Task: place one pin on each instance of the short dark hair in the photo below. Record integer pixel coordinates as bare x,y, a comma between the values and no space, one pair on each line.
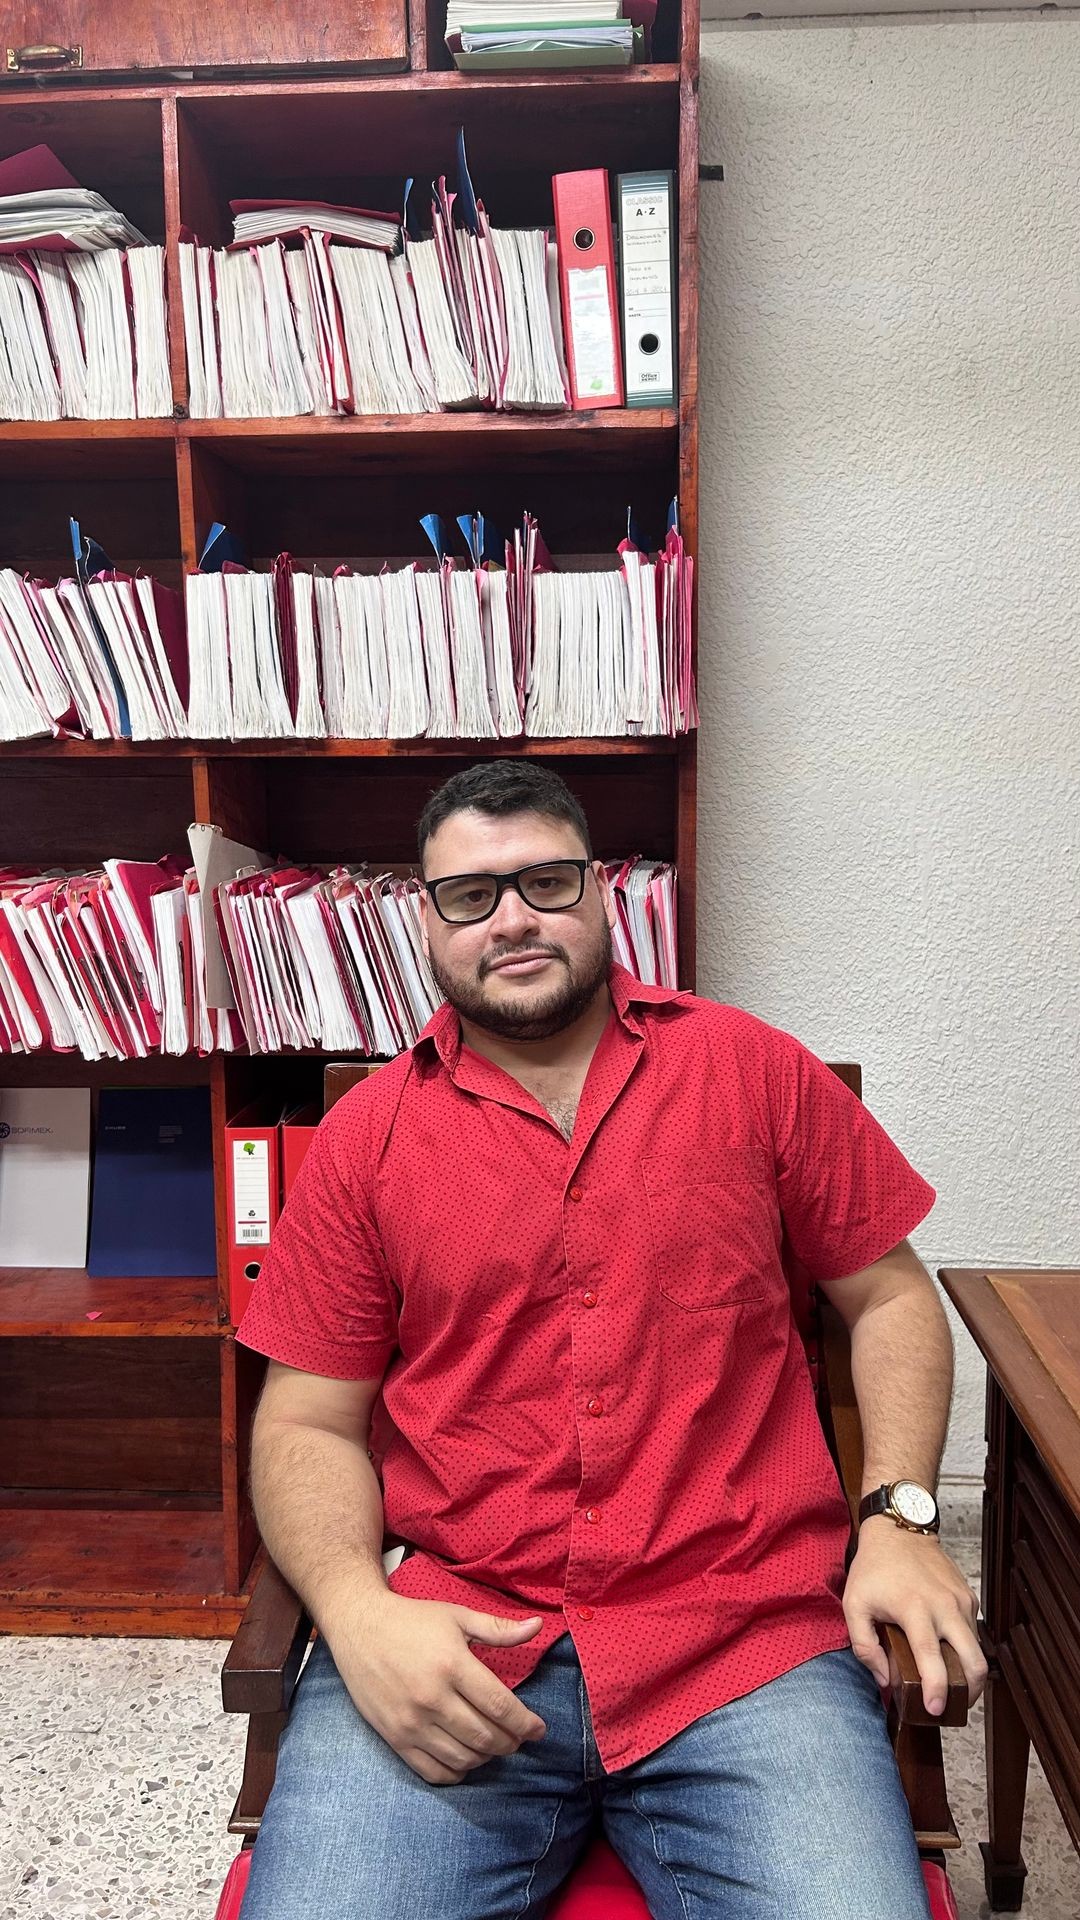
499,787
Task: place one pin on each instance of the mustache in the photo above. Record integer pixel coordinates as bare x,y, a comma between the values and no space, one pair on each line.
508,953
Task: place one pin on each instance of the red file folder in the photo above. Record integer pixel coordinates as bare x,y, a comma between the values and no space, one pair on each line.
589,292
253,1185
297,1134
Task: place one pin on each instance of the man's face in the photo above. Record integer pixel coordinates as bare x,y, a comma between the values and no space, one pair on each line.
523,974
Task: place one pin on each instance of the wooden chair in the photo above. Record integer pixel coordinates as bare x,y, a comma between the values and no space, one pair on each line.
263,1663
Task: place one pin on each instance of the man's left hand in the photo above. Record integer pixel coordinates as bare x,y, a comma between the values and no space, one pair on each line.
907,1580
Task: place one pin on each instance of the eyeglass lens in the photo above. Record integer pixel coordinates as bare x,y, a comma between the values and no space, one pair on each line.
470,896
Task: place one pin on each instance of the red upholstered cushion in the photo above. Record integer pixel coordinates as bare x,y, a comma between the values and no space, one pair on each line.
599,1889
232,1893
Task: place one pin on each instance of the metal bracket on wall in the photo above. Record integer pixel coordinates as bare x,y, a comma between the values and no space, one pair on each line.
710,173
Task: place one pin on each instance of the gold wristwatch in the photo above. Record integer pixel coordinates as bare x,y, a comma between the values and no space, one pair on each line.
911,1506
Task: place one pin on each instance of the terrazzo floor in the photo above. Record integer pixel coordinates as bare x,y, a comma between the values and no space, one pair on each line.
118,1771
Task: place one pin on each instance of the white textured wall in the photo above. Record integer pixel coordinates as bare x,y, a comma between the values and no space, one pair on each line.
890,533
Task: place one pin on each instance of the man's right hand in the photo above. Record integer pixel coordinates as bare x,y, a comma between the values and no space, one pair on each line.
408,1669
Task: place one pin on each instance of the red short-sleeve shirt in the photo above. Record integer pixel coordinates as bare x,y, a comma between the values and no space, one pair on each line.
596,1405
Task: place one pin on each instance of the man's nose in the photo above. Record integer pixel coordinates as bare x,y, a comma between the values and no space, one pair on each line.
513,919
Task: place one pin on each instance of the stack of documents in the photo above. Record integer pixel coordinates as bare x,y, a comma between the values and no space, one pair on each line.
327,328
486,35
82,957
137,958
83,336
644,938
493,648
606,653
104,659
255,220
83,332
42,205
462,652
344,320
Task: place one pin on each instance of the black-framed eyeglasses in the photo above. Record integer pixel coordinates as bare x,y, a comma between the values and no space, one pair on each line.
551,886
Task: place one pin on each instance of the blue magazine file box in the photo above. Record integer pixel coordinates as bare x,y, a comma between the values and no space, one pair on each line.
152,1211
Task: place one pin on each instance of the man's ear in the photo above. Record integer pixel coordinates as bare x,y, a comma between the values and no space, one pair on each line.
605,892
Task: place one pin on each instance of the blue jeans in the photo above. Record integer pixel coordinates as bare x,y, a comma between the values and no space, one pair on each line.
786,1803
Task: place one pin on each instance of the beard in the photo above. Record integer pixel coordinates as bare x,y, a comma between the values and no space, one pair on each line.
531,1016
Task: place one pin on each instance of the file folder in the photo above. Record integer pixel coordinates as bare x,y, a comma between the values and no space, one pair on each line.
153,1206
253,1192
587,281
297,1134
44,1176
648,283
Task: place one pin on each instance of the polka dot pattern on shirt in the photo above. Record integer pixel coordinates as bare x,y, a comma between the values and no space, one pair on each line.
596,1405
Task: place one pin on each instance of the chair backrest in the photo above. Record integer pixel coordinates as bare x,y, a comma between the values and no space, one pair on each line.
805,1300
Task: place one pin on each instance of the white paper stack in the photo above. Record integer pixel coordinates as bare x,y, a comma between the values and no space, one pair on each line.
75,215
255,220
645,937
606,653
104,662
459,319
83,336
78,961
406,653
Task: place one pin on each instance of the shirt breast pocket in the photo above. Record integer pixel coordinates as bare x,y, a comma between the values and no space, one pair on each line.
715,1232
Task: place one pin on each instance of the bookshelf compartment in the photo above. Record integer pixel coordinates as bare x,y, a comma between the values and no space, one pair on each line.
665,44
128,503
357,518
356,810
355,145
130,1416
111,144
98,810
155,1567
614,440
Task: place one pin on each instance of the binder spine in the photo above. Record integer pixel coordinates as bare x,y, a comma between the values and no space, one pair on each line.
647,286
253,1186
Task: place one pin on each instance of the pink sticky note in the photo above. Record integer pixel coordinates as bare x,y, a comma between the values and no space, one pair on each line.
95,1316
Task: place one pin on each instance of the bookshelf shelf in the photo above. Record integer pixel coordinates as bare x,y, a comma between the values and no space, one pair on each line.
106,1569
627,438
125,1456
55,1303
136,751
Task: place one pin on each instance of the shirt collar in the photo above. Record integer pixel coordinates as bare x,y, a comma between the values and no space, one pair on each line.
442,1035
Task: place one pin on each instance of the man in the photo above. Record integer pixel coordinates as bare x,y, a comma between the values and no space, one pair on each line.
556,1233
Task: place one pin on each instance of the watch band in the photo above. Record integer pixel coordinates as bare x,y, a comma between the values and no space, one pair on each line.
880,1501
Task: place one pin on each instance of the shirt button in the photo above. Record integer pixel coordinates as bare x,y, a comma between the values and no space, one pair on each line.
585,1613
575,1193
594,1406
589,1299
592,1513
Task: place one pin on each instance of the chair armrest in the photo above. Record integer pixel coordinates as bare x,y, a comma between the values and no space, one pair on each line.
261,1666
846,1436
907,1696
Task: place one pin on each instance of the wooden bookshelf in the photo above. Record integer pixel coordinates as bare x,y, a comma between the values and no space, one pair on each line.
123,1436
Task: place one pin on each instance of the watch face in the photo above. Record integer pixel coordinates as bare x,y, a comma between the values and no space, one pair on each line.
914,1504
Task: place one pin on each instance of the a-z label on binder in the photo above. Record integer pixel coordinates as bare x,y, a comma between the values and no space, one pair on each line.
251,1193
647,281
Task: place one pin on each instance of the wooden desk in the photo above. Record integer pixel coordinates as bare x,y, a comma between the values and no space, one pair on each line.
1027,1325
